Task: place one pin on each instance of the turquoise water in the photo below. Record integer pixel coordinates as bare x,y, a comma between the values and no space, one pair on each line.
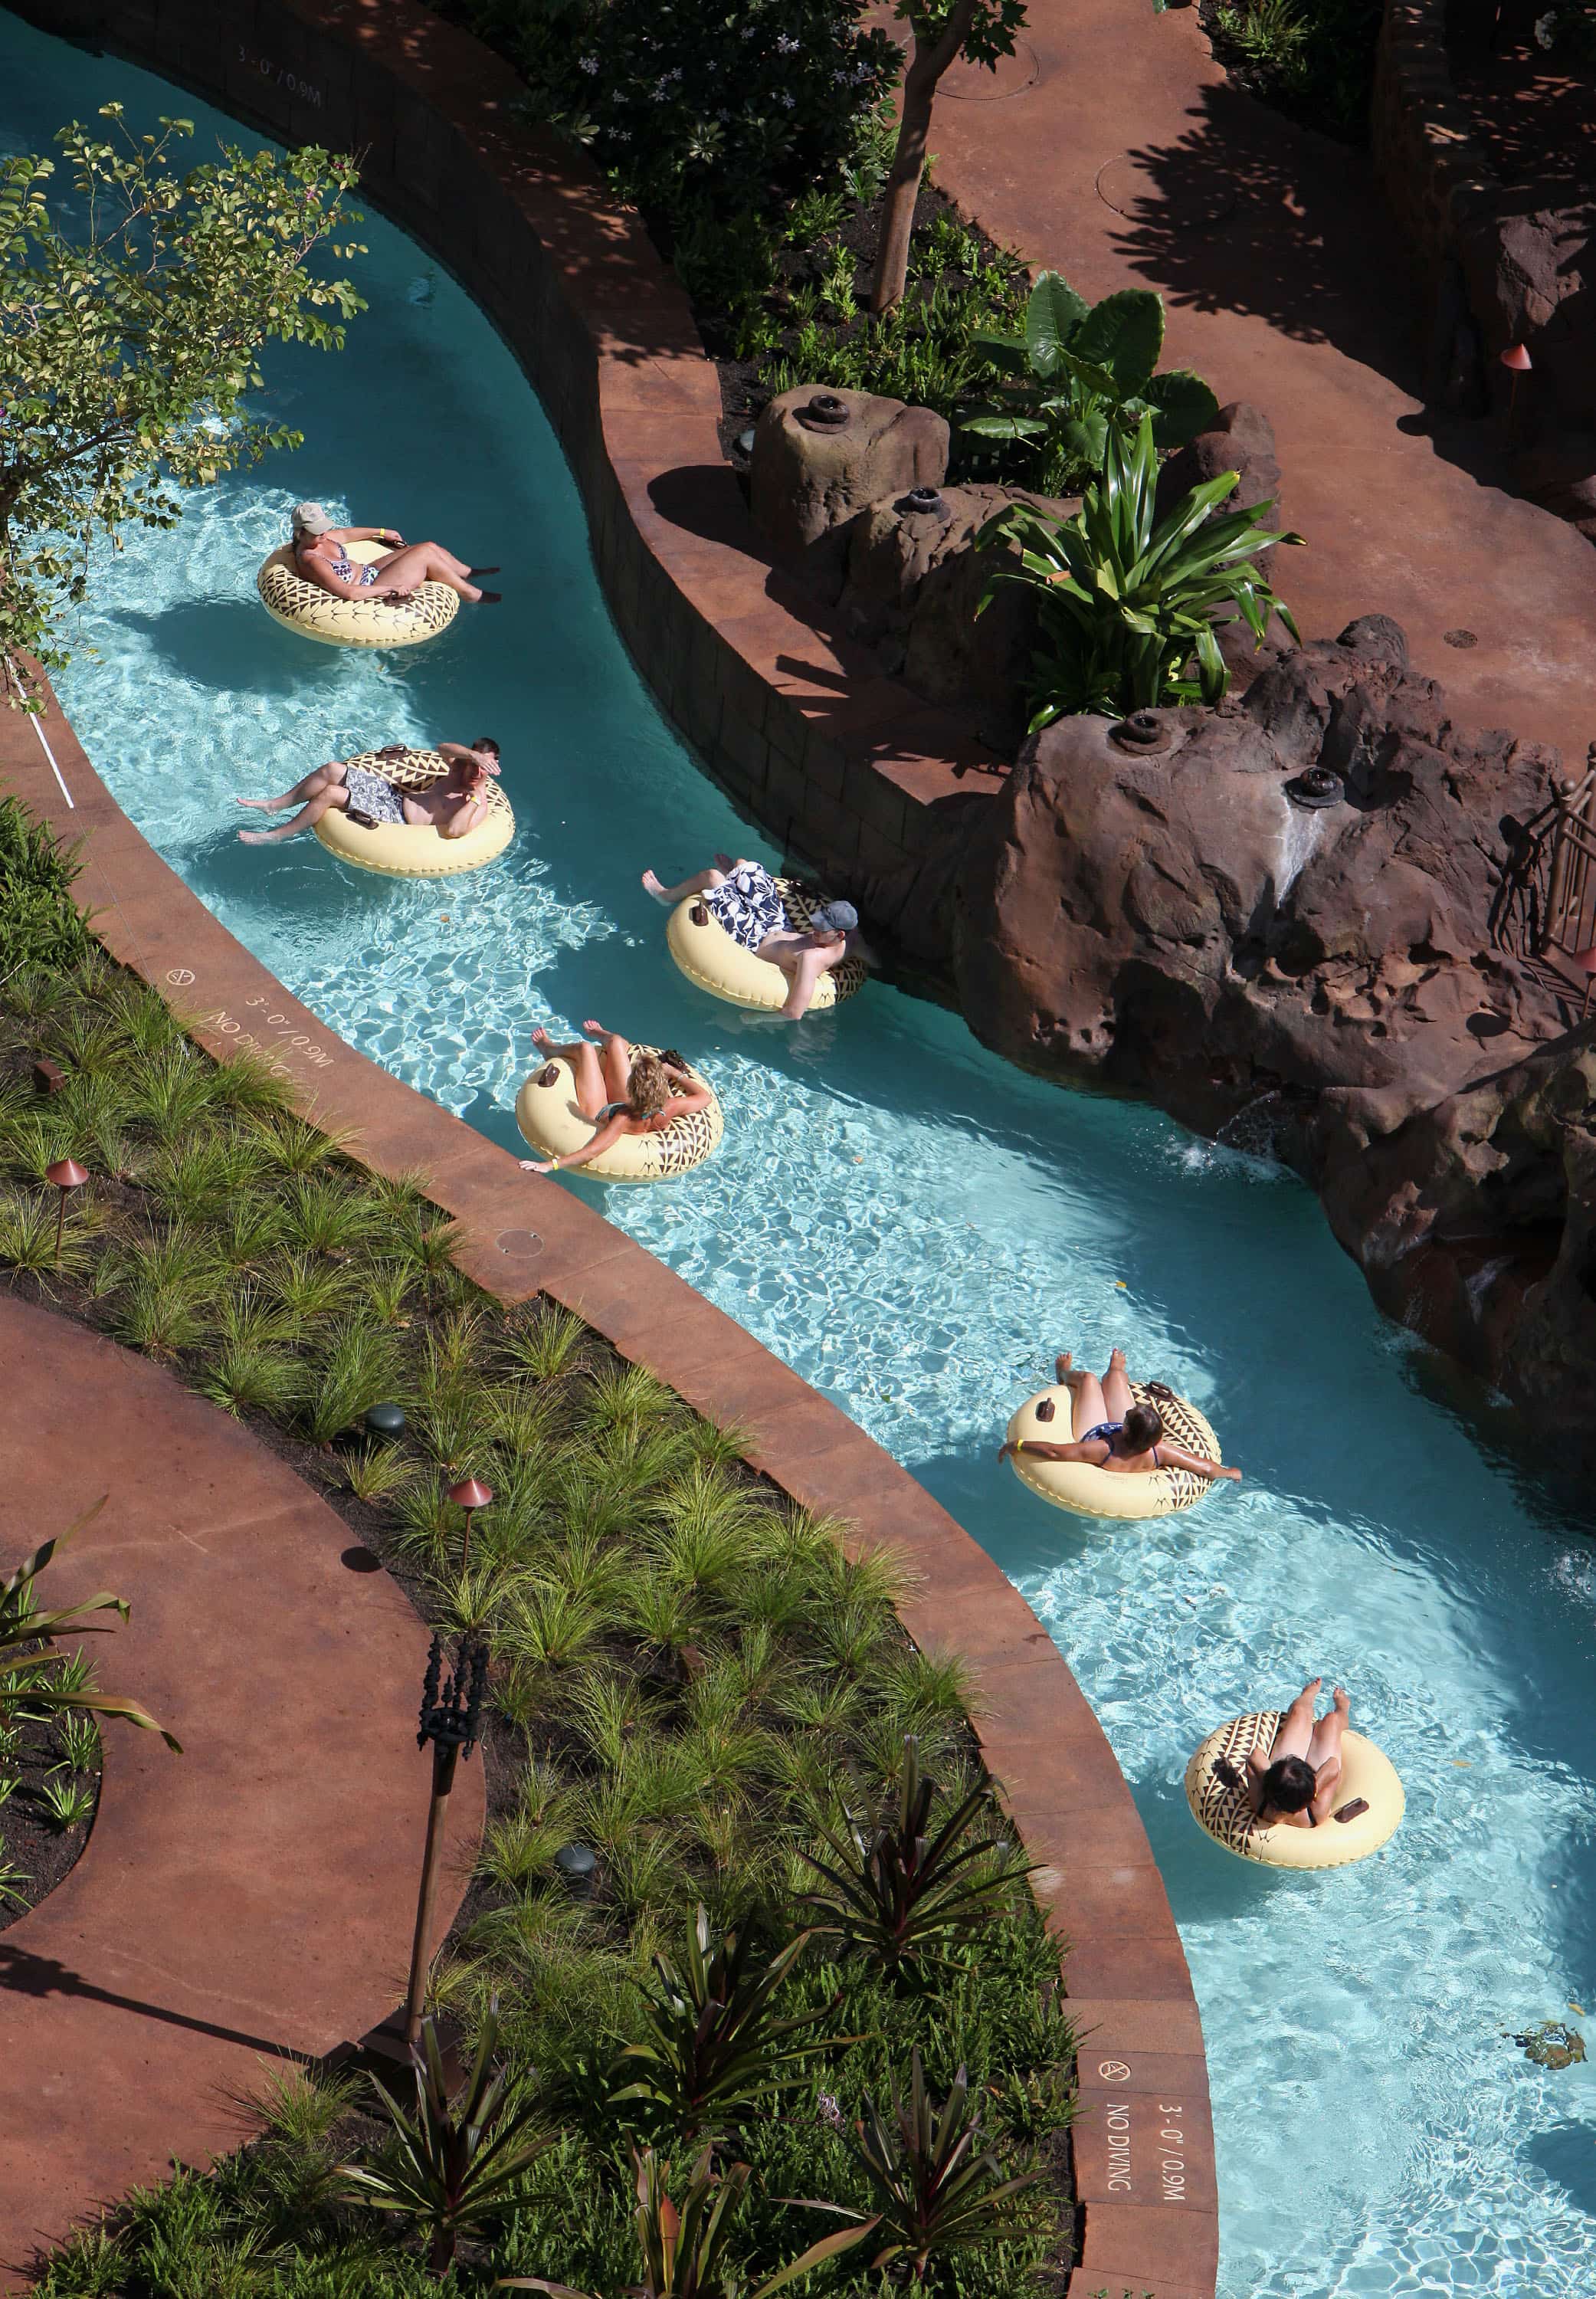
916,1228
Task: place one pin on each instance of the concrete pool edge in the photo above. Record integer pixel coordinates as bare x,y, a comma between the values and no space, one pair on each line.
1145,2175
1143,2169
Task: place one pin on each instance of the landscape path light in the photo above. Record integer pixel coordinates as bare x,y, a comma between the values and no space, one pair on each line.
1518,362
470,1494
67,1174
450,1713
385,1421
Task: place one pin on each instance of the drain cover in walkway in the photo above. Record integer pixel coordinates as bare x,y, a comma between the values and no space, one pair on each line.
519,1244
1142,195
974,84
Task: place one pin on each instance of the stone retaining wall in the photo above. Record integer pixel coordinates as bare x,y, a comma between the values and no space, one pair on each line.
1433,173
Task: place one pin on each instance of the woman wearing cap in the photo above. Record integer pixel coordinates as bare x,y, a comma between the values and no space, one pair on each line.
746,901
320,556
453,806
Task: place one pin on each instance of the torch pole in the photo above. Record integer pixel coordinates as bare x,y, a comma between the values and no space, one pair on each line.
444,1759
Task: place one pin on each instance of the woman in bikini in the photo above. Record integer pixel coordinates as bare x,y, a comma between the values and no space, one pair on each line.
319,555
1110,1430
746,900
453,805
619,1090
1294,1785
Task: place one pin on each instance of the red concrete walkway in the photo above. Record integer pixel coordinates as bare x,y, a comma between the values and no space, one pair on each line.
253,1896
1120,157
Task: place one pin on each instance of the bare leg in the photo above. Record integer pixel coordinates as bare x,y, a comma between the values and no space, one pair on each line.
1295,1736
702,881
424,562
1116,1387
1326,1741
326,802
1087,1407
587,1073
311,785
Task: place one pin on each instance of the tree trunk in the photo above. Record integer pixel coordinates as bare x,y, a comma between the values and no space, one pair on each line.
926,65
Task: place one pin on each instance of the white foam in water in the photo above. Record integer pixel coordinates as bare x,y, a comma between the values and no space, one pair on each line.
916,1228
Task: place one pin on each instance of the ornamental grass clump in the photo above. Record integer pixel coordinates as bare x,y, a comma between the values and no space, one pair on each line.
741,1860
1128,604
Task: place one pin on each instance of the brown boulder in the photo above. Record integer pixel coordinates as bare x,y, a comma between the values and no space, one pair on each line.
1240,438
809,474
1530,270
1169,918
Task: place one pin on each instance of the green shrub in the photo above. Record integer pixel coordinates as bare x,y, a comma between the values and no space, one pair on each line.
39,925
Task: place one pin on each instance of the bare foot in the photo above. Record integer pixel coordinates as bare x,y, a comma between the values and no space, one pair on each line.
651,885
258,837
540,1036
265,804
1344,1706
1116,1360
596,1030
1309,1691
1065,1361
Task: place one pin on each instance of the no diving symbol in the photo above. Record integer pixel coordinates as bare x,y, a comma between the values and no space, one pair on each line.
180,976
1113,2071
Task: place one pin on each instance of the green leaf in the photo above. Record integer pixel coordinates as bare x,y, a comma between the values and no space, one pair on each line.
1124,333
1051,316
1182,405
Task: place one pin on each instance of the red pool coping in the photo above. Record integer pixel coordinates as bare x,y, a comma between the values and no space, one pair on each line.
254,1896
606,336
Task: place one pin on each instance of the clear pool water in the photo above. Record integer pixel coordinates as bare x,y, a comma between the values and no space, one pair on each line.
916,1228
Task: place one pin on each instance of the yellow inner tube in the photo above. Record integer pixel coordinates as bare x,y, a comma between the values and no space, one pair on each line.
1092,1492
1226,1814
358,620
413,850
708,955
549,1117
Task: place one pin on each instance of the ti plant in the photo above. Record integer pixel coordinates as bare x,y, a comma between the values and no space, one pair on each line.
937,2189
1081,373
451,2164
1126,601
713,2048
29,1677
902,1893
683,2248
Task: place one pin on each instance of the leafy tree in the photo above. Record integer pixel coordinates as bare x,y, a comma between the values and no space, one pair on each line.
983,31
130,325
1126,600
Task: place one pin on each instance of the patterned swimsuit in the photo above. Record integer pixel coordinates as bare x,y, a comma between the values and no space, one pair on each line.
345,568
372,796
748,905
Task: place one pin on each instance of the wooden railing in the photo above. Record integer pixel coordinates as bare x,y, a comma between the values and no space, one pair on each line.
1545,906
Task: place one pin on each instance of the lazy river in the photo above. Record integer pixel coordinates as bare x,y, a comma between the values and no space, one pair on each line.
916,1228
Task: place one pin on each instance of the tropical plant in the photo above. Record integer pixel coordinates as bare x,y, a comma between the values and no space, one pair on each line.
453,2164
80,1743
1079,370
943,30
683,2246
130,326
40,924
1125,600
902,1892
713,2048
934,2192
67,1803
12,1883
29,1675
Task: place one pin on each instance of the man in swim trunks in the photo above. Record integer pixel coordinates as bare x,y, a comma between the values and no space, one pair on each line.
1110,1430
744,898
1294,1785
456,803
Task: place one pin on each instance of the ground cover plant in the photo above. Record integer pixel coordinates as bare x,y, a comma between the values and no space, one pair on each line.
688,1676
1314,60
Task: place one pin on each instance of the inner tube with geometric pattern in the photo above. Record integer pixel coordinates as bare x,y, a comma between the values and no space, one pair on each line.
358,620
1091,1491
708,955
410,850
551,1121
1226,1814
